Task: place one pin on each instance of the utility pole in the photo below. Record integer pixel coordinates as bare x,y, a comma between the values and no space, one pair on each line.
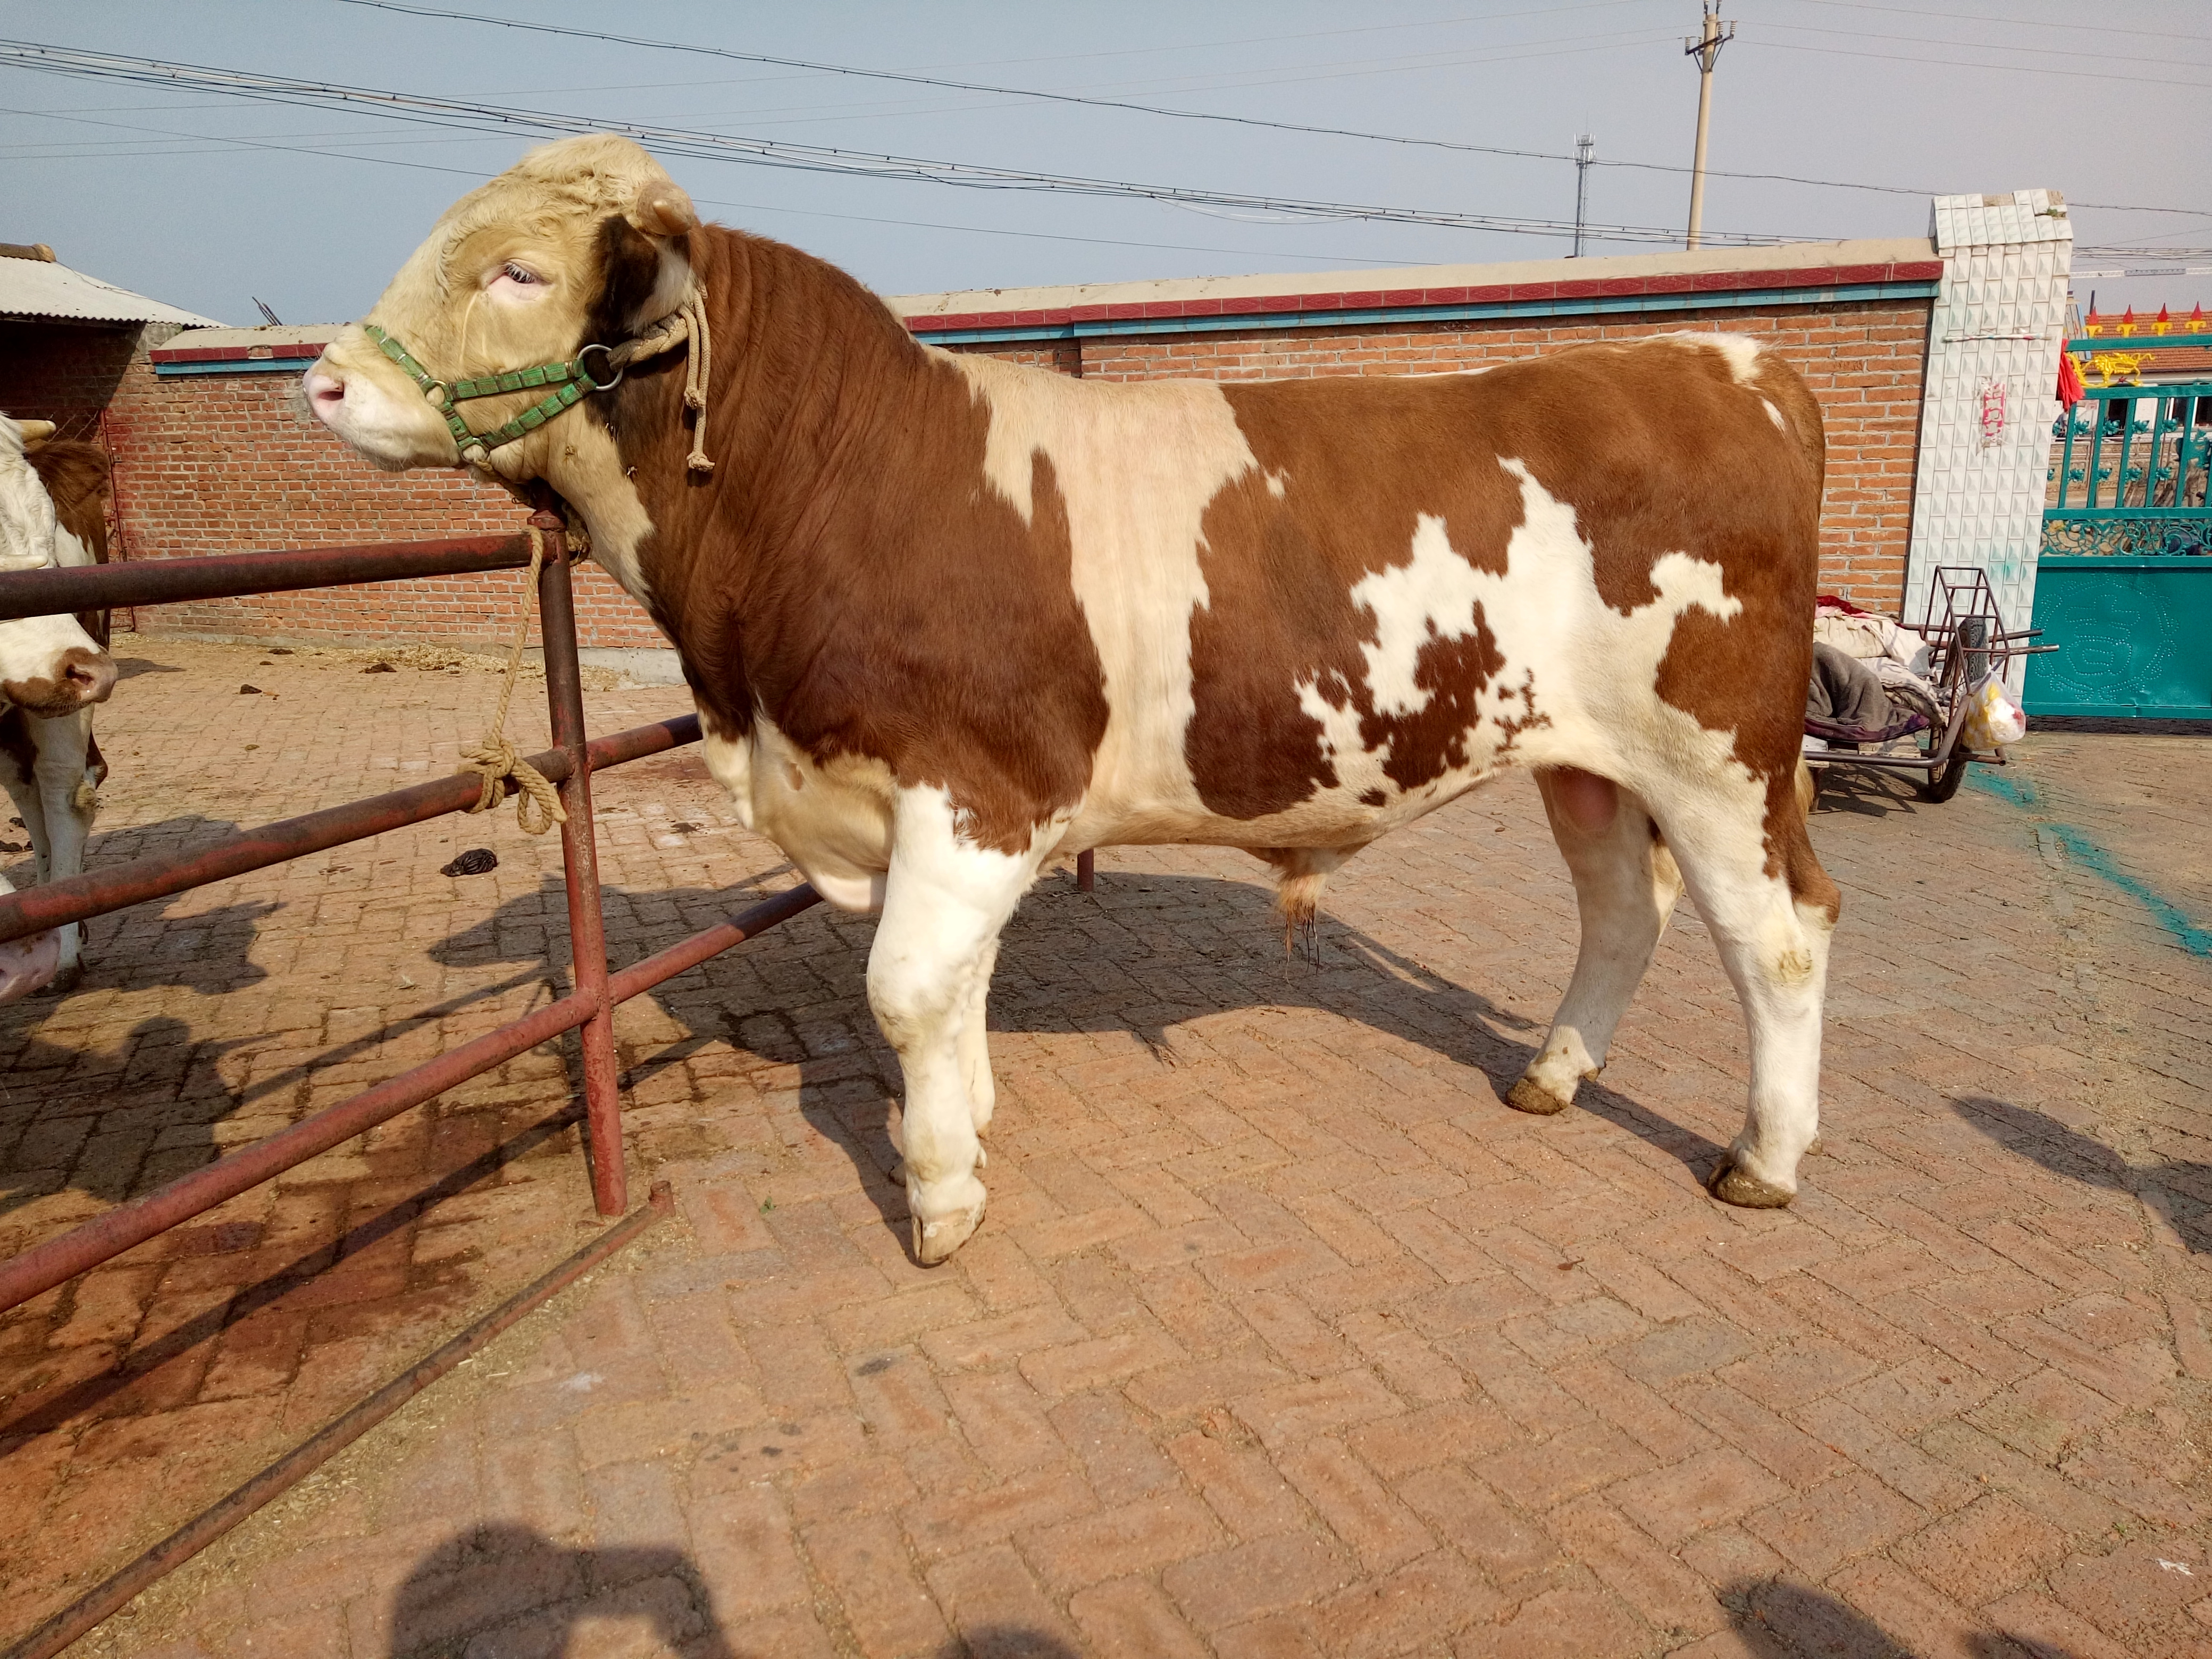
1706,49
1585,153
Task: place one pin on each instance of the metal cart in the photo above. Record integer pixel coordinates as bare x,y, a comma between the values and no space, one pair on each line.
1966,637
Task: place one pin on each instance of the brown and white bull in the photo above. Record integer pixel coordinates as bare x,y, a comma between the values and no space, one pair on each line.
945,617
52,671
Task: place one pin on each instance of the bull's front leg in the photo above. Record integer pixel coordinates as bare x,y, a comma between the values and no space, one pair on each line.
945,900
65,808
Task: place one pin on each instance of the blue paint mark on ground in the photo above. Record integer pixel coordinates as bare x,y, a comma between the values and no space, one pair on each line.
2019,790
2085,851
2198,941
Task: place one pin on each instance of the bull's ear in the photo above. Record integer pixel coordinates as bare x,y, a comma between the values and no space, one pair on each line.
663,210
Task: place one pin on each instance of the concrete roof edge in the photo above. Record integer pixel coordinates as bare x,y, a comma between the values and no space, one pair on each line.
1788,256
315,334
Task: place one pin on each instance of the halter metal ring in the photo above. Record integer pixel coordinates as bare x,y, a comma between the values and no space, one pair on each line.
593,381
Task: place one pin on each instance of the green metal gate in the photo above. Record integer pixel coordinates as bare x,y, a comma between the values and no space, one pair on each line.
2124,586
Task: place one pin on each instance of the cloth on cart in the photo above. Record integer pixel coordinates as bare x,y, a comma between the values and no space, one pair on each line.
1846,703
1896,656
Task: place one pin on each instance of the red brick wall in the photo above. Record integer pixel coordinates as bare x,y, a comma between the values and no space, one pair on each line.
1864,362
66,373
221,463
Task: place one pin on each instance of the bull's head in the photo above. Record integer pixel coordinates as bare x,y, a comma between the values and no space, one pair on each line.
49,666
582,242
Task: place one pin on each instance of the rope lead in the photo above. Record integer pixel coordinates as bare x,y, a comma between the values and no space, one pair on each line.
536,805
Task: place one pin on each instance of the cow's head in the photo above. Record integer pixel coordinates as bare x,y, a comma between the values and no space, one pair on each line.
582,242
49,666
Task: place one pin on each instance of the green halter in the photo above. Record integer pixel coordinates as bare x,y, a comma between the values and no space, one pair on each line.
572,379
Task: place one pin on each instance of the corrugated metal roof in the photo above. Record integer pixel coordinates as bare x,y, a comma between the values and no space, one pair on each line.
32,287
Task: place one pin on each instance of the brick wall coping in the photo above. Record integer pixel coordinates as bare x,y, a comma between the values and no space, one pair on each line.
287,347
1804,273
1800,267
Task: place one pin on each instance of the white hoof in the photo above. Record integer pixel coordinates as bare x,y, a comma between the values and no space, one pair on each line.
944,1221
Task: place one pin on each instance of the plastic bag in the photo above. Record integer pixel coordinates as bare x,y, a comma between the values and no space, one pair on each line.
1993,719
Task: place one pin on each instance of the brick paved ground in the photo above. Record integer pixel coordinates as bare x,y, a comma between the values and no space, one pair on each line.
1283,1337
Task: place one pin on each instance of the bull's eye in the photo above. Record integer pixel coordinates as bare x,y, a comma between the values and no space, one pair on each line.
515,273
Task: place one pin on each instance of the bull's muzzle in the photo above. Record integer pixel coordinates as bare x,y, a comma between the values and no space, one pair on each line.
80,679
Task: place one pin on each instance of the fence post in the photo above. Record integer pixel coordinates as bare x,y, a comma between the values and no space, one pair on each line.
587,934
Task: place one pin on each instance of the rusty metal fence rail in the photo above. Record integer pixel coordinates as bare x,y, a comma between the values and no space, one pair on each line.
594,990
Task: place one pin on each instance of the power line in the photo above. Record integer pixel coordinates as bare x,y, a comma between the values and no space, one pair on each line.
2008,22
1959,62
221,145
1989,46
912,78
906,78
462,115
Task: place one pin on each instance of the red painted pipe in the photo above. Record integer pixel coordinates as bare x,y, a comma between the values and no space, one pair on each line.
234,575
118,886
579,867
45,1266
690,952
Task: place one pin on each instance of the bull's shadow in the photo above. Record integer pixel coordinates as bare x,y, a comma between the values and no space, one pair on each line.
2183,1190
1144,954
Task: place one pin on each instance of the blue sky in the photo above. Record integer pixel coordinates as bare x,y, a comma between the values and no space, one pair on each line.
207,202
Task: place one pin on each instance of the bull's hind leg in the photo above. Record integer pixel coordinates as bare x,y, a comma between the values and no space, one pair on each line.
1625,885
976,1048
1770,909
945,901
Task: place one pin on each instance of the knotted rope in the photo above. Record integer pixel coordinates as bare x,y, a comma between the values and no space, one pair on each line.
686,322
536,806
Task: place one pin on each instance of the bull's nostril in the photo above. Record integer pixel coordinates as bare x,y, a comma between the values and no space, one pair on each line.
324,391
92,680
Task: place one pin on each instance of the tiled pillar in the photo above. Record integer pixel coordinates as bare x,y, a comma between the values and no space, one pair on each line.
1993,348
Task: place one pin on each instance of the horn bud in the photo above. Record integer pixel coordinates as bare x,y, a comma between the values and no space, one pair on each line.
36,434
663,210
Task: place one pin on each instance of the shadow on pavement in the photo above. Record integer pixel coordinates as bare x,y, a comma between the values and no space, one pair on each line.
1865,792
2068,1152
510,1591
535,1593
1777,1619
1179,948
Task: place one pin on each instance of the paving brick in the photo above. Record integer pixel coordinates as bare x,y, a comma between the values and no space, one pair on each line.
1086,1365
864,1560
1413,1609
1130,1619
2129,1592
1564,1623
1702,1490
1119,1455
1816,1529
742,1544
1113,1543
1396,1446
1240,1484
1667,1595
1461,1511
997,1607
1360,1508
1247,1581
1984,1551
1292,1413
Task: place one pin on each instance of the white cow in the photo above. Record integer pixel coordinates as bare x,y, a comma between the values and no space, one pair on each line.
52,670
